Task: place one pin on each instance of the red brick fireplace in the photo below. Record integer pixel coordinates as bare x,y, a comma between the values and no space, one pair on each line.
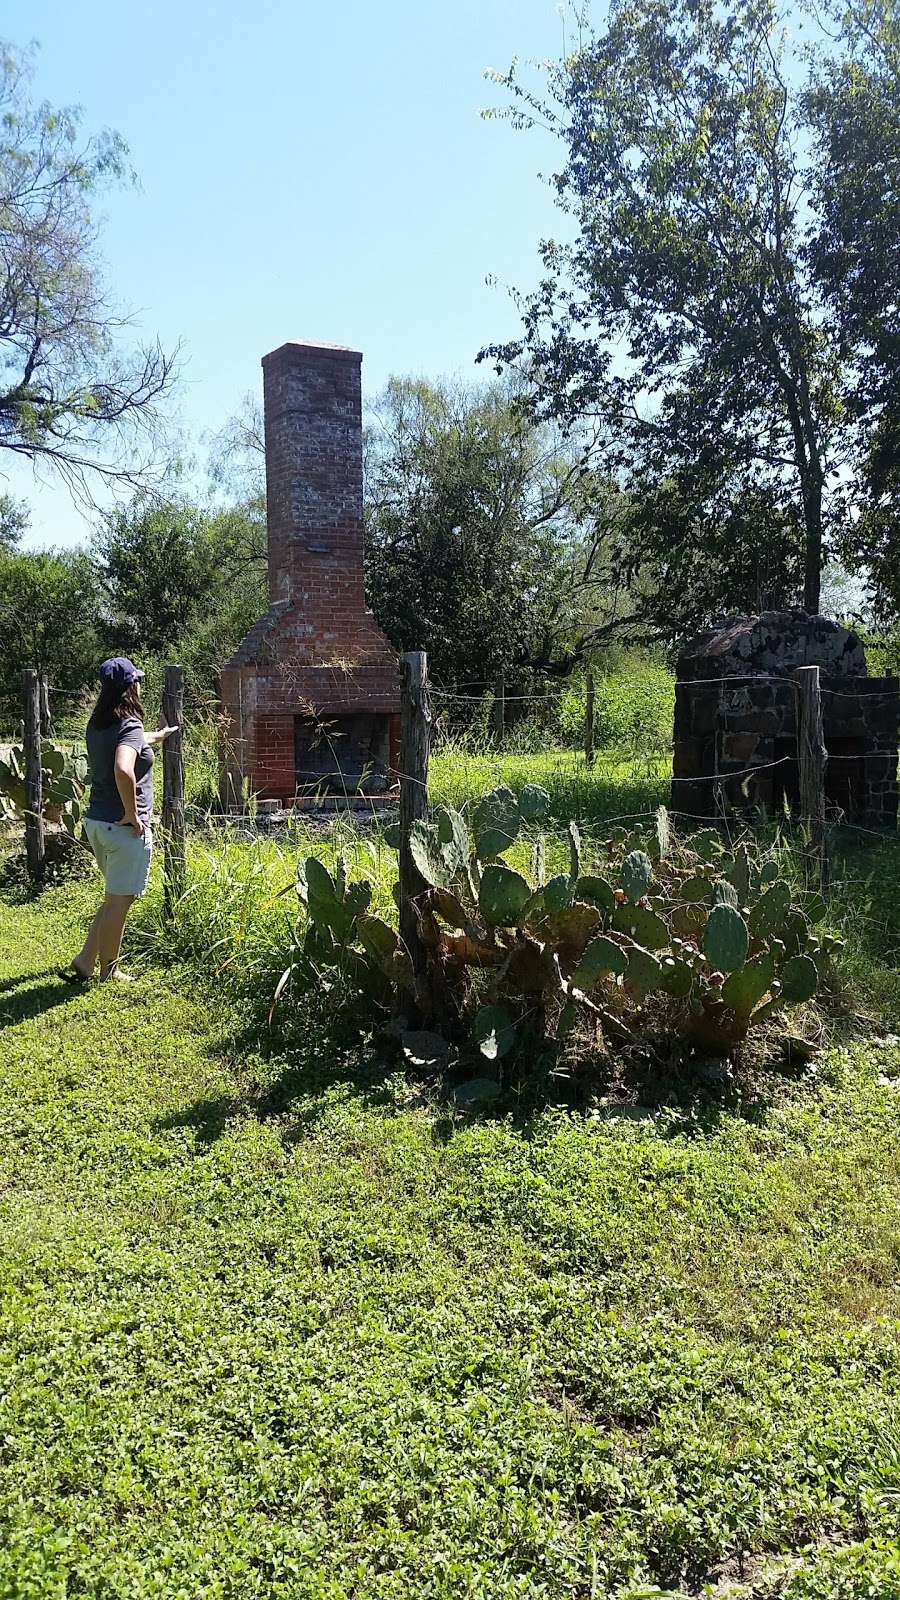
310,699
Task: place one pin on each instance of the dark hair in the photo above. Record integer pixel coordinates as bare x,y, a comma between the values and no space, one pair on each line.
114,704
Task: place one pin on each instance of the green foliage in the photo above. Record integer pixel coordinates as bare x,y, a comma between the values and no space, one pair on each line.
633,707
554,961
685,171
50,617
14,520
63,784
176,574
470,510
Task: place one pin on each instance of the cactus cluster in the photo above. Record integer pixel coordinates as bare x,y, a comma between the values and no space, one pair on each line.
341,934
712,936
63,782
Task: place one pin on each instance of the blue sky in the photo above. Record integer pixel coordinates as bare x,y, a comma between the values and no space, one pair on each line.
307,170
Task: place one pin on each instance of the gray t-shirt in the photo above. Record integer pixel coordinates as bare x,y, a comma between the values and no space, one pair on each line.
102,743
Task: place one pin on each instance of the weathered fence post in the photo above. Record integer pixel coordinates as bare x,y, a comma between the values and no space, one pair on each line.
589,719
46,719
415,742
812,757
34,816
173,788
499,709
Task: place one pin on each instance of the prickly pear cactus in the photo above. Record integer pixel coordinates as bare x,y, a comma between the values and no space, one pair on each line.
496,823
637,874
725,938
63,783
644,933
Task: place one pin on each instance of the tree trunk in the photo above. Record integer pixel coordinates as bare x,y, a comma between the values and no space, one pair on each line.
812,567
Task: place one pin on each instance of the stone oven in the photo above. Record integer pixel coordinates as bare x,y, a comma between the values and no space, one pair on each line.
735,720
310,699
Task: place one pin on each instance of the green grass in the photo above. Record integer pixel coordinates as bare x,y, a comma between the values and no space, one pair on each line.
276,1326
618,784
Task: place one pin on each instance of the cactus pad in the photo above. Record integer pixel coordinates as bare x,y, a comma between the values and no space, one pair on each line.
534,803
502,896
602,955
637,874
497,820
725,938
494,1031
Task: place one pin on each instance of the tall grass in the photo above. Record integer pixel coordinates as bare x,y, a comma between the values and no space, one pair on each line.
238,915
617,784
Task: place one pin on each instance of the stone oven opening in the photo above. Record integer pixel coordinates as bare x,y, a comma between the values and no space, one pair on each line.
342,755
317,660
736,720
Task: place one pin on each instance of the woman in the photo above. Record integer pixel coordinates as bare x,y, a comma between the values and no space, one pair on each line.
119,818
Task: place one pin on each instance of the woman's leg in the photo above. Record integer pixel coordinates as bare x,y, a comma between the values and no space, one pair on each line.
109,943
86,959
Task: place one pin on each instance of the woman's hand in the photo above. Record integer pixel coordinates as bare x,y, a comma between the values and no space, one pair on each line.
161,734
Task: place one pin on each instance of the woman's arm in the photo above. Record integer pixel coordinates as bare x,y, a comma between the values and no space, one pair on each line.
159,735
126,755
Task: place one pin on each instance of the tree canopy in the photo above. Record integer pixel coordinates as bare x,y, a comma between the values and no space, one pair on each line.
853,103
171,568
470,519
73,397
49,619
690,312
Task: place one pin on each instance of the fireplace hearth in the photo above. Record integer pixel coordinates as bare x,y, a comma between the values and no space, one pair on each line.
342,755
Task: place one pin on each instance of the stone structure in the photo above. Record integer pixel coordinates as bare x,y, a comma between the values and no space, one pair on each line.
310,698
735,712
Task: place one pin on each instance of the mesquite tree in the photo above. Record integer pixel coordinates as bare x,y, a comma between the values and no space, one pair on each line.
684,311
73,398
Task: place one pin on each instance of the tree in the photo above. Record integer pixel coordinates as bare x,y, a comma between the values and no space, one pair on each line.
14,520
470,518
71,398
237,460
49,619
853,104
685,315
168,567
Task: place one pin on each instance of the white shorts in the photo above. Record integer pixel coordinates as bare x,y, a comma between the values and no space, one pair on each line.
123,857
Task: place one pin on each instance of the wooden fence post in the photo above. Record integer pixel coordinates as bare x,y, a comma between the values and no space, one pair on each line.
34,816
499,709
46,718
173,788
415,742
589,719
812,757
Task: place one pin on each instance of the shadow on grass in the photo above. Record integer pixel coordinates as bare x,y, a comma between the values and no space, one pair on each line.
24,999
296,1084
303,1078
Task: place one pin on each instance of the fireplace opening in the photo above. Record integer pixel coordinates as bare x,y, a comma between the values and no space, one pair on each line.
346,754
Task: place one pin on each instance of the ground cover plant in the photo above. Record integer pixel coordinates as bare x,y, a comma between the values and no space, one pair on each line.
275,1324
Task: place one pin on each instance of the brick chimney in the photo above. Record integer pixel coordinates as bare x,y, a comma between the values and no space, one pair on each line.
310,698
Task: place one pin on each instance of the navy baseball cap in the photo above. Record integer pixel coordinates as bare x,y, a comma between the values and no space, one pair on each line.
120,671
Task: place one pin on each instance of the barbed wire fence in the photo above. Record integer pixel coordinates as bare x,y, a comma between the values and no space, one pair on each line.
459,751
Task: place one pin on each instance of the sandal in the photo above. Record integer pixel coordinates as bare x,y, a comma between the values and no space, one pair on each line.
72,974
